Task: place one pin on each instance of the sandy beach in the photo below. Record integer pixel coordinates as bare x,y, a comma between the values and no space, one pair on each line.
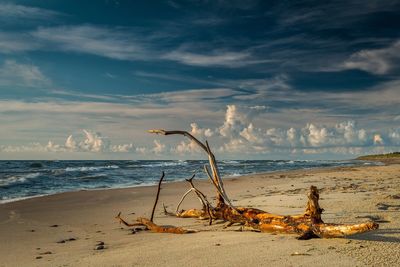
64,229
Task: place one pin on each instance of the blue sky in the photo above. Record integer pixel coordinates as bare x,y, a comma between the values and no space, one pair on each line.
258,79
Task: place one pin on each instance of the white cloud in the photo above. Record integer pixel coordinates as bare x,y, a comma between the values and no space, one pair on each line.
251,134
238,133
378,140
124,148
376,61
18,74
200,132
14,11
94,142
237,118
194,95
158,148
316,136
16,42
91,142
350,133
70,143
277,137
292,137
190,146
216,58
100,41
394,136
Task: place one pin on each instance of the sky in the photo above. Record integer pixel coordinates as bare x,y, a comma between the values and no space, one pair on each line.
257,79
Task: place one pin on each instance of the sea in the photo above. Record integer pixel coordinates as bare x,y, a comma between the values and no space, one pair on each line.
27,179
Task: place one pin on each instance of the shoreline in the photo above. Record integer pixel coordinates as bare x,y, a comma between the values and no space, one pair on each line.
361,164
63,229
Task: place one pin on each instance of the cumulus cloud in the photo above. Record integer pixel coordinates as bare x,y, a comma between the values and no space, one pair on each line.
91,142
237,118
70,143
239,133
190,146
158,148
394,136
122,148
378,140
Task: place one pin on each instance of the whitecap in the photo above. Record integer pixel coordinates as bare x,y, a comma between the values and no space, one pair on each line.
18,179
165,164
87,169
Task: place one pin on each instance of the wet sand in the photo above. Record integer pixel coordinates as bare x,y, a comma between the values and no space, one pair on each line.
65,229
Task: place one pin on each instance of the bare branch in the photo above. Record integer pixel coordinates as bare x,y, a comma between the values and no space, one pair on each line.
185,133
158,194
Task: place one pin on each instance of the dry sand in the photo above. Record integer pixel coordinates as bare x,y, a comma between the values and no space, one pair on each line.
63,229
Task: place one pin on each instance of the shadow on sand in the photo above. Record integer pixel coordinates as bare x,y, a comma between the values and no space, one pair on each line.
382,235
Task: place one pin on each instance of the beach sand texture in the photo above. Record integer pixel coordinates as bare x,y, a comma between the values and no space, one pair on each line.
65,229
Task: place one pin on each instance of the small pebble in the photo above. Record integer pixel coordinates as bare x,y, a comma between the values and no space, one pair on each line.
66,240
39,257
54,225
99,247
218,244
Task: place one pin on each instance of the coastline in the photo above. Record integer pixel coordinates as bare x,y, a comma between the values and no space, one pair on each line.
359,164
348,195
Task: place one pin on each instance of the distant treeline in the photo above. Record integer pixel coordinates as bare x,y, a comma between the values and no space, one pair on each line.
380,156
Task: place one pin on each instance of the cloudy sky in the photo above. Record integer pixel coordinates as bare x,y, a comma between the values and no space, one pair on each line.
257,79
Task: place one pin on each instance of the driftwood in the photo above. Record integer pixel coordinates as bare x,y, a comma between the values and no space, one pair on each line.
149,224
307,225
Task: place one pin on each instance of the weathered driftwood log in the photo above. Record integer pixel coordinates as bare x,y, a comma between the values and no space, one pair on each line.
149,224
307,225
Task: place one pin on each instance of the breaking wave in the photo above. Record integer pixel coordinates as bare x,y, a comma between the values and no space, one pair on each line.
18,179
88,169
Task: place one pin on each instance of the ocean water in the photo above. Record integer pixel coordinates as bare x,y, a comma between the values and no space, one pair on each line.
25,179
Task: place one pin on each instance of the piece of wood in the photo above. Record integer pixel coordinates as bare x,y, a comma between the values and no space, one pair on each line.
307,225
149,224
157,196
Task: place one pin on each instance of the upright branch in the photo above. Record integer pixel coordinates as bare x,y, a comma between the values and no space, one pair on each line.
221,194
158,194
149,224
